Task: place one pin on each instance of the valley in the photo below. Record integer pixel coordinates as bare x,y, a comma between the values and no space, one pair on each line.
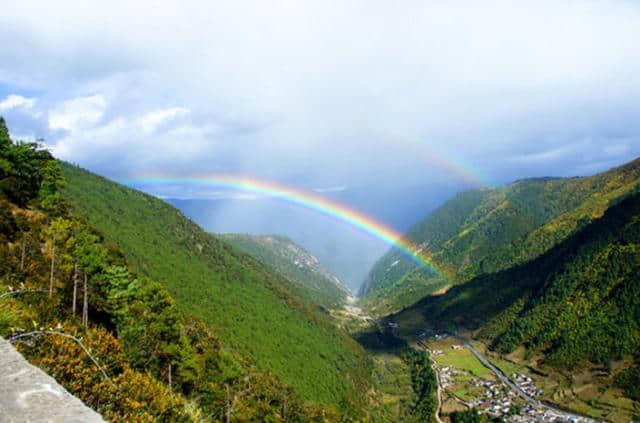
551,300
308,278
241,327
245,211
472,377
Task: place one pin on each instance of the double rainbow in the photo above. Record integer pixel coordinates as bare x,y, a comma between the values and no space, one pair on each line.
302,198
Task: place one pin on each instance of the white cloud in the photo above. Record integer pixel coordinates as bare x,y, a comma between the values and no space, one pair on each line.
337,188
543,156
321,94
123,144
617,149
150,121
182,192
228,196
78,113
13,101
314,88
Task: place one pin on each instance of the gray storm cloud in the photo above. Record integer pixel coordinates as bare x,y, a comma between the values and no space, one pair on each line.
276,86
327,94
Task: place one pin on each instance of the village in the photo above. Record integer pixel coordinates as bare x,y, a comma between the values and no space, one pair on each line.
496,398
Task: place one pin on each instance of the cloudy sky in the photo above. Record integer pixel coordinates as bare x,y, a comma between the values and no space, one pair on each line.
336,96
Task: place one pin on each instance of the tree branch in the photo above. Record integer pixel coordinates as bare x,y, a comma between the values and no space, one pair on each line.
24,291
65,335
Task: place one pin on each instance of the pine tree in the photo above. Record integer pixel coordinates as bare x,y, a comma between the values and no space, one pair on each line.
5,140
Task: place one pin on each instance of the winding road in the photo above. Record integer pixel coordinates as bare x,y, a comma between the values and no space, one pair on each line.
439,391
507,381
500,374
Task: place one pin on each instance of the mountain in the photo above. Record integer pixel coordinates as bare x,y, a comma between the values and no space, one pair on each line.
246,304
73,304
577,302
308,278
489,230
347,251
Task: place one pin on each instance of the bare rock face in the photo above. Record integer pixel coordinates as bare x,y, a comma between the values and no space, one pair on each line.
27,394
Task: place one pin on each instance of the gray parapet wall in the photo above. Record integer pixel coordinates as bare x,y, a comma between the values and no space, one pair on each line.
27,394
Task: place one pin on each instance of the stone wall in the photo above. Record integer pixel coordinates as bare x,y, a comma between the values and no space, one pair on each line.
27,394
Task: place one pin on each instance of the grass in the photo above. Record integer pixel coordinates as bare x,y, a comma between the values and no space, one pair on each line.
614,398
580,391
392,385
462,359
465,392
508,367
584,408
9,315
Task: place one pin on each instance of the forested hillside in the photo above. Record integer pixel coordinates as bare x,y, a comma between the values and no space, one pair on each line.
307,278
74,306
490,230
576,303
245,304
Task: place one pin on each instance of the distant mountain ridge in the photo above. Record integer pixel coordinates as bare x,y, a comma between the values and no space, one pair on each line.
489,230
309,278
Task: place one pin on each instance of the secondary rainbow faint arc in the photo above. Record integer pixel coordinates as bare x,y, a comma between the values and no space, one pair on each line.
455,166
304,199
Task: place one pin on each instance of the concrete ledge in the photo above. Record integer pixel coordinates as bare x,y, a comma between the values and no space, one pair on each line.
27,394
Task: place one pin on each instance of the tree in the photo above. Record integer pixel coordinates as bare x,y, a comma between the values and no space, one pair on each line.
5,140
85,302
75,286
468,416
20,168
149,325
92,258
50,196
424,384
59,240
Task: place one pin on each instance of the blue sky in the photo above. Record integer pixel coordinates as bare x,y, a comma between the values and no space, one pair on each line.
323,94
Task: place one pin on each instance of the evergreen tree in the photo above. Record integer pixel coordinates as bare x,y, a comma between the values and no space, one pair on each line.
53,182
5,140
21,166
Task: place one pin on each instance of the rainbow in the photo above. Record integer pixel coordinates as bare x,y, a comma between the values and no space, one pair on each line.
302,198
441,159
463,170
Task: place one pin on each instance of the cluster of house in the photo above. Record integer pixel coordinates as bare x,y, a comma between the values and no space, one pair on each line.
446,374
496,400
439,336
530,414
525,383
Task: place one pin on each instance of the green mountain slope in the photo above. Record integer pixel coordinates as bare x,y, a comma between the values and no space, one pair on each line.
493,229
580,301
71,304
247,305
308,278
